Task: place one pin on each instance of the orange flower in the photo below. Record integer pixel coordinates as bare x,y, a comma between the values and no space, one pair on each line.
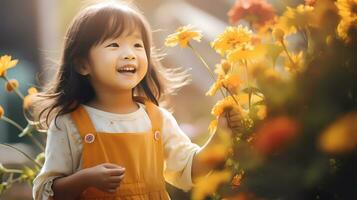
257,12
340,136
11,85
274,134
236,181
310,2
1,112
28,99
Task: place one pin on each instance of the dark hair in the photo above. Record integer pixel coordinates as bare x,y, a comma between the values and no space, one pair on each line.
91,26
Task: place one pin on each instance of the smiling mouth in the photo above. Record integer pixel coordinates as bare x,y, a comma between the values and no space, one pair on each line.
127,69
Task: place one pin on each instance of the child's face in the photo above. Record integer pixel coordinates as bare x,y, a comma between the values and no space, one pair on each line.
117,64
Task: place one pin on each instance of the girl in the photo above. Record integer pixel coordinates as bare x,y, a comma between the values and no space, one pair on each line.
108,137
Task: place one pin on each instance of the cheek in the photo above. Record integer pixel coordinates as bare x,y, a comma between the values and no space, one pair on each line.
144,64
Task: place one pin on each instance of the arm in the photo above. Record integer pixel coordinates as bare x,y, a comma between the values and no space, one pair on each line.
106,177
70,187
199,168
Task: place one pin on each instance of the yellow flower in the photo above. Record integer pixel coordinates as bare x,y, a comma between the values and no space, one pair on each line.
225,104
213,126
246,52
28,99
208,185
296,18
261,111
222,68
1,112
348,12
243,99
230,81
11,85
296,64
5,64
231,38
215,87
347,9
182,36
340,136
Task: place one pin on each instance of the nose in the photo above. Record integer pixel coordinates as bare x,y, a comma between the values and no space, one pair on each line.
129,57
128,54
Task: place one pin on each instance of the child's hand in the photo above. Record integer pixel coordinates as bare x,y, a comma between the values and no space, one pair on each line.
230,119
106,177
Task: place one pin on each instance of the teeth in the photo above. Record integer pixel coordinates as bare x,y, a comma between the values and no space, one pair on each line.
127,69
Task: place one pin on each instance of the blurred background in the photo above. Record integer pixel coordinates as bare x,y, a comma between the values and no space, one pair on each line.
32,31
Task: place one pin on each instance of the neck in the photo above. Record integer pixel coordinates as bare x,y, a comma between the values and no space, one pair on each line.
118,102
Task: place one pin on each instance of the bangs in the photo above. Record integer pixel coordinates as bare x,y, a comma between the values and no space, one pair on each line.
116,26
114,21
106,21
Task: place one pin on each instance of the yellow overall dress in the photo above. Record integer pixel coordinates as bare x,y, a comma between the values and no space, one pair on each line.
140,153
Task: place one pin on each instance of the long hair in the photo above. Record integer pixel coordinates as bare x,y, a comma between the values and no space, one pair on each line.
91,26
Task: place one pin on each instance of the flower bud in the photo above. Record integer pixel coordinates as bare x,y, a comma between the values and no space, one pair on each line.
1,112
278,34
11,85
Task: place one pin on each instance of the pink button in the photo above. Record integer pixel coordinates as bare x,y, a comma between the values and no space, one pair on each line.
89,138
157,135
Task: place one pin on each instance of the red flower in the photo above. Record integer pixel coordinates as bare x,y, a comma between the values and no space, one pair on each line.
257,12
274,134
310,2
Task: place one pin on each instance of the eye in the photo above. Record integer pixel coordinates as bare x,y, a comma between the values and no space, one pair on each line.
139,45
114,44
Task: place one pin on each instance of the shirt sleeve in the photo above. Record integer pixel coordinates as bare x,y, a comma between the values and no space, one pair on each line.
179,152
58,160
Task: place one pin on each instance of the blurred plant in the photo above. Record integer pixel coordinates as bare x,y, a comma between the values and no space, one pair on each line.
10,176
293,79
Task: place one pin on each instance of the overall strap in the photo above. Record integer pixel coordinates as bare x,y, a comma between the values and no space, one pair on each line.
82,121
154,115
153,112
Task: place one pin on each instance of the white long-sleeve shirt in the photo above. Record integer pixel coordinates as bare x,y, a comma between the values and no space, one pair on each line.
64,147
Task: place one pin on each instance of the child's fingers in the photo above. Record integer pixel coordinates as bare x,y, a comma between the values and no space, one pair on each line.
113,185
234,114
235,125
235,118
116,172
111,165
117,179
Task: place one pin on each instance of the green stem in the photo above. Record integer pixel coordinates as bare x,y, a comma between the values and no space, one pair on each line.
16,90
205,64
23,153
287,52
34,140
250,91
235,100
203,61
13,171
8,120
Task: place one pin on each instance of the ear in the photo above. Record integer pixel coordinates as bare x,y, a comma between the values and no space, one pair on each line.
82,67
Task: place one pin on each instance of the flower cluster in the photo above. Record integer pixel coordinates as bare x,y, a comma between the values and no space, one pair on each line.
26,174
294,128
